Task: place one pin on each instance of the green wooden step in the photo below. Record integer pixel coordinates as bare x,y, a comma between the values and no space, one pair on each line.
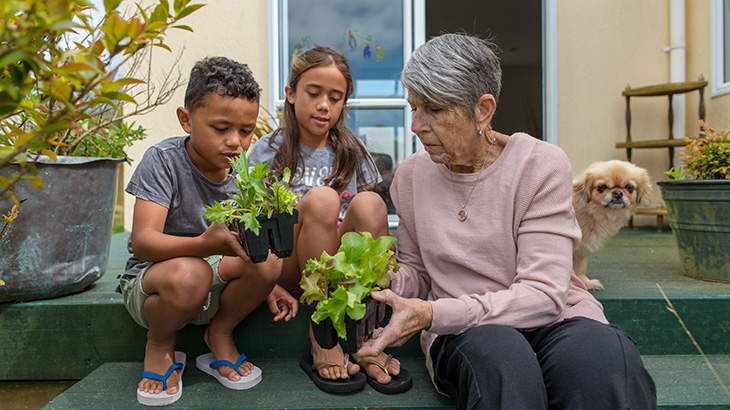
69,337
683,382
284,385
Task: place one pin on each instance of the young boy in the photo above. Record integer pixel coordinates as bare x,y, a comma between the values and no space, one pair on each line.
185,269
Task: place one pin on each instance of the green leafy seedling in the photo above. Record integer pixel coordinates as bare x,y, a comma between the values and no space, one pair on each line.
260,192
339,283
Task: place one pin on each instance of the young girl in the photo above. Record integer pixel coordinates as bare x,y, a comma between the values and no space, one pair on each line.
335,175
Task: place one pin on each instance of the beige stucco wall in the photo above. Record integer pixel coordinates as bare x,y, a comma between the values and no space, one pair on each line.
234,29
603,46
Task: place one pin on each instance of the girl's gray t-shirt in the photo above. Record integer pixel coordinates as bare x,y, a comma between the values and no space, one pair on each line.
316,165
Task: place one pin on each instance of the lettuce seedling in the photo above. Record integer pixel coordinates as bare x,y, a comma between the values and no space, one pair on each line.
338,283
260,192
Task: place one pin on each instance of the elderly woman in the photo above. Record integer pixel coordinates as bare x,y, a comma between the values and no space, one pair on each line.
485,245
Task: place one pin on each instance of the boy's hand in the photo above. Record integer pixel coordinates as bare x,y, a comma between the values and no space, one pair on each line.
224,242
282,304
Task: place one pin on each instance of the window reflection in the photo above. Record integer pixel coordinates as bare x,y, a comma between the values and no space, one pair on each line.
382,131
369,35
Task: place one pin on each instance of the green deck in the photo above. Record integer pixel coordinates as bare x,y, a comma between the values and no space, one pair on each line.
90,336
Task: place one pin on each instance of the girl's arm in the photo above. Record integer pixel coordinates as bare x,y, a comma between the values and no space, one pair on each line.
151,244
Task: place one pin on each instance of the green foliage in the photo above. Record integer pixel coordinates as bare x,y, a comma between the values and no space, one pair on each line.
338,284
677,173
109,142
707,157
260,192
60,74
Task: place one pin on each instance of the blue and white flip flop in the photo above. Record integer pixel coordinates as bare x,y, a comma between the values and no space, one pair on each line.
163,398
208,364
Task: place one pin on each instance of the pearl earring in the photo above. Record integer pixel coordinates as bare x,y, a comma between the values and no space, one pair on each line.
480,133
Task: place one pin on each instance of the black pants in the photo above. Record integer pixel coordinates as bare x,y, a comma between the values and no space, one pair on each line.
576,364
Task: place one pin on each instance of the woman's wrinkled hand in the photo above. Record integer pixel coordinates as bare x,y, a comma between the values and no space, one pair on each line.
410,316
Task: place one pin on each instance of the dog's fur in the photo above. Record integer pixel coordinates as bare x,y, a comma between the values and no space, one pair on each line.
605,197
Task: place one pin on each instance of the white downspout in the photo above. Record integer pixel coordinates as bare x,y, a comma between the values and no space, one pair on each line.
677,64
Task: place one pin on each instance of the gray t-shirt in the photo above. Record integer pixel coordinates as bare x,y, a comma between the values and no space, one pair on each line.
167,176
316,165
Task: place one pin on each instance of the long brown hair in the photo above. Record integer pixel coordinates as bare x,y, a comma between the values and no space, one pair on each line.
349,150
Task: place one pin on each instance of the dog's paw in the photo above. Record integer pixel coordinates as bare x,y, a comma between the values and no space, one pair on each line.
594,284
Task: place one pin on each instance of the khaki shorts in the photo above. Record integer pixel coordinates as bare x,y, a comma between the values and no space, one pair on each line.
135,297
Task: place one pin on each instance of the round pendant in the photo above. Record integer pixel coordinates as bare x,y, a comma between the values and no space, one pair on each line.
462,215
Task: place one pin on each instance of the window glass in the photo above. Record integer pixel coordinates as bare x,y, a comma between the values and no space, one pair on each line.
720,39
382,131
369,34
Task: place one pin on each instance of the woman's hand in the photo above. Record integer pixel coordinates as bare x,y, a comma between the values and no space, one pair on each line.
281,304
410,316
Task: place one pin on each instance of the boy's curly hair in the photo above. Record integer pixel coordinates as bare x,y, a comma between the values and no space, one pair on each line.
222,76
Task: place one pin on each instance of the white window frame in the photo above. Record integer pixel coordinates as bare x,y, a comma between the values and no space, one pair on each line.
717,24
411,38
550,70
414,18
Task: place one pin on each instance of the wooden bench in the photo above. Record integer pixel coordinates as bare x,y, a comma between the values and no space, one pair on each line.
668,90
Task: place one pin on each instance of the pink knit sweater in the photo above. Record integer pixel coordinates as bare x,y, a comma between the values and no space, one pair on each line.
510,262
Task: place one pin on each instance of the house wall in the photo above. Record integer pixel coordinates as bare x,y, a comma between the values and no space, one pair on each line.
603,46
234,29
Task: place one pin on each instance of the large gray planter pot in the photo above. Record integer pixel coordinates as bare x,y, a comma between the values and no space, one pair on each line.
699,215
59,243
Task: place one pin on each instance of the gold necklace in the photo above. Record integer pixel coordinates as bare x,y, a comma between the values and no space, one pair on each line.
463,214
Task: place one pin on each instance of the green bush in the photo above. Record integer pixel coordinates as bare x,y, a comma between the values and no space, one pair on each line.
706,157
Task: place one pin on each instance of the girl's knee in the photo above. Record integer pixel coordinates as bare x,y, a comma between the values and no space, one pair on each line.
370,202
320,203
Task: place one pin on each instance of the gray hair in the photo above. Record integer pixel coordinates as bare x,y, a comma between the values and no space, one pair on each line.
454,70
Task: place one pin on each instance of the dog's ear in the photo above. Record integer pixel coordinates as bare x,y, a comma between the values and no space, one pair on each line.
582,190
643,188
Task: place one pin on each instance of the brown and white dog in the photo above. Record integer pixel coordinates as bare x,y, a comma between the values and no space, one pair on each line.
605,196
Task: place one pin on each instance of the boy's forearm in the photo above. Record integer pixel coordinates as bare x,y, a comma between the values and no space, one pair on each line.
157,246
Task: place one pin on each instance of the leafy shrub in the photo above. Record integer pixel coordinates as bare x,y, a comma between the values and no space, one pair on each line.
706,157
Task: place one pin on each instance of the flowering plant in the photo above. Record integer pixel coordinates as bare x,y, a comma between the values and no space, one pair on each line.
706,157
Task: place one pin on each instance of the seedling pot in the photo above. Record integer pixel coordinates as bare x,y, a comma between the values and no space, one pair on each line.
276,233
360,330
357,331
282,242
324,332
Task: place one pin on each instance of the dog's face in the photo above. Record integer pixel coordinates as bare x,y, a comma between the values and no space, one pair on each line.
612,185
